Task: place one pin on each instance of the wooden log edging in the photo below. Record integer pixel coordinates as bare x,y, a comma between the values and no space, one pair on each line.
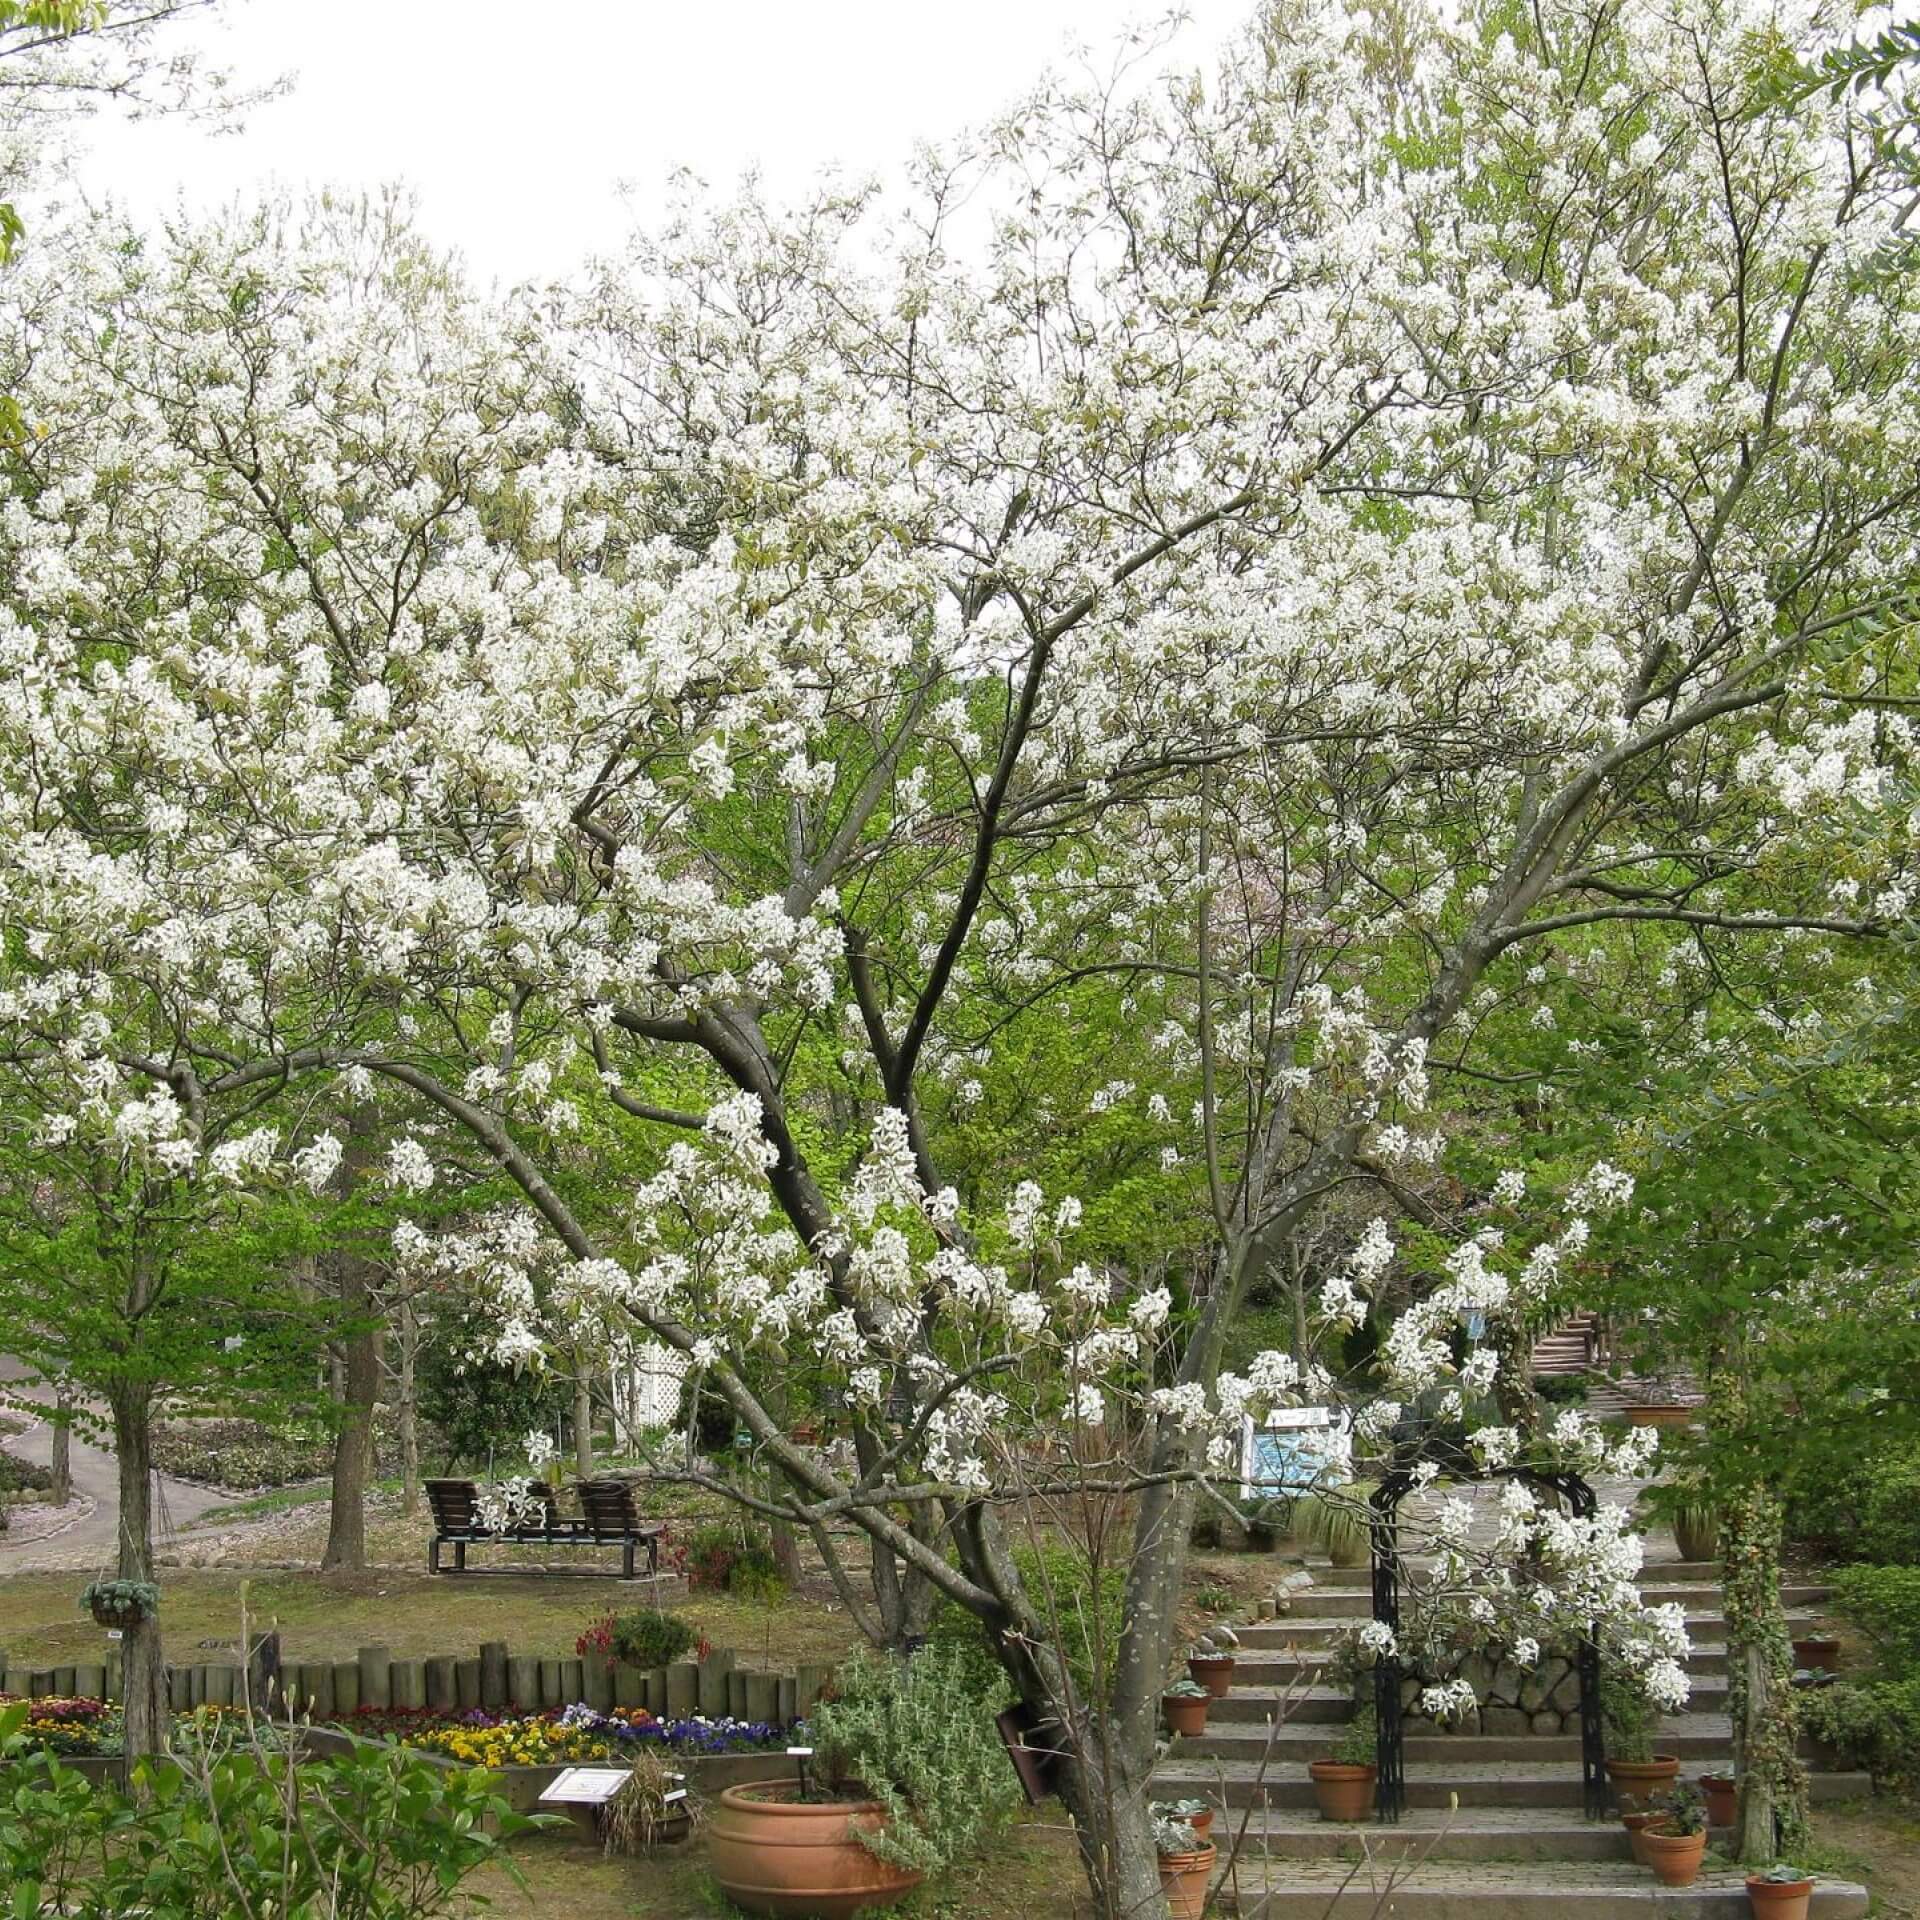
496,1679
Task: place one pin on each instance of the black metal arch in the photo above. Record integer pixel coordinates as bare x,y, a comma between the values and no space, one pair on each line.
1412,1444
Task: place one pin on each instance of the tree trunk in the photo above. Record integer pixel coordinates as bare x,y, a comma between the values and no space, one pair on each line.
358,1356
142,1657
582,1415
62,1457
1106,1794
1773,1803
408,1410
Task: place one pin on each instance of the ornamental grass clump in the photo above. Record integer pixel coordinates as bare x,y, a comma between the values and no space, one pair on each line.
919,1738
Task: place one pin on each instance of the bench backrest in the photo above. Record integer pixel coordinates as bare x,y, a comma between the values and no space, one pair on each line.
452,1505
608,1508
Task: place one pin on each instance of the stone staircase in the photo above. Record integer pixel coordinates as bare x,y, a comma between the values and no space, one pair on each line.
1494,1828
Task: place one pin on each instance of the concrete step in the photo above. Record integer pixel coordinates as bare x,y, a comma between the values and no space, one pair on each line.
1432,1833
1265,1664
1700,1741
1497,1783
1493,1890
1251,1704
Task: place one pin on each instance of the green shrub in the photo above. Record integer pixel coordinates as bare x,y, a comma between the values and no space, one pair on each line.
1059,1584
1874,1724
918,1737
723,1557
22,1476
1889,1528
1885,1601
378,1834
646,1637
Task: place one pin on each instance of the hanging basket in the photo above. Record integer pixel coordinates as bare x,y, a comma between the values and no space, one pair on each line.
121,1603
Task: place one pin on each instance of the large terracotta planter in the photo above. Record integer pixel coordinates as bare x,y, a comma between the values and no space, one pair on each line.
1723,1797
774,1853
1186,1712
1661,1416
1674,1857
1636,1824
1643,1781
1697,1542
1779,1899
1183,1879
1214,1671
1344,1792
1819,1652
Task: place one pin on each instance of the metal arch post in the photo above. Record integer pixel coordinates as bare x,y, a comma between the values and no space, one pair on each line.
1593,1732
1390,1791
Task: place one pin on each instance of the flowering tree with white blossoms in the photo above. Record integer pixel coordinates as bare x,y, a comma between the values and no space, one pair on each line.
1375,511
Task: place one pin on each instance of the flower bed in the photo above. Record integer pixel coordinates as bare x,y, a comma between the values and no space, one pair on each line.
72,1727
567,1735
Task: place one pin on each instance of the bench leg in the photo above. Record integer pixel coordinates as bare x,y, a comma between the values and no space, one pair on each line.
459,1556
433,1554
653,1556
626,1559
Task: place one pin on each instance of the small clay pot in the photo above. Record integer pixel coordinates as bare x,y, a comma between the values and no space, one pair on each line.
1722,1798
1214,1671
1183,1879
1779,1899
1674,1857
1344,1792
1186,1713
1636,1824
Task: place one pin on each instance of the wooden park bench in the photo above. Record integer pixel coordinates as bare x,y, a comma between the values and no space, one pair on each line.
457,1523
608,1518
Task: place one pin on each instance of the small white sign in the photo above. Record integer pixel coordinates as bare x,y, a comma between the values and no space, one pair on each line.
667,1799
114,1633
799,1753
586,1786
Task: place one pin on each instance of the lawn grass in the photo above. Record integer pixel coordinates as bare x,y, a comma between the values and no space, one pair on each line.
331,1616
1032,1868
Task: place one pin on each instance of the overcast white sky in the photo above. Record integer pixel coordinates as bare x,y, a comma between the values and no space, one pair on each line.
516,123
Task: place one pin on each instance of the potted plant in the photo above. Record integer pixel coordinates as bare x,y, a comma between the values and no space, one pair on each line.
1185,1705
1817,1653
1339,1523
905,1776
1211,1663
1198,1814
1637,1820
653,1808
1781,1893
1676,1841
1722,1796
1632,1765
1186,1865
1343,1782
121,1603
1696,1529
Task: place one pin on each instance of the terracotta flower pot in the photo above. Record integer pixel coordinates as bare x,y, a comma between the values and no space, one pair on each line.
1643,1781
1779,1899
1722,1798
773,1853
1636,1824
1186,1713
1818,1651
1344,1792
1674,1857
1214,1671
1183,1879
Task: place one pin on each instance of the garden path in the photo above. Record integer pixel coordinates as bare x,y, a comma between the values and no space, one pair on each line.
89,1539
